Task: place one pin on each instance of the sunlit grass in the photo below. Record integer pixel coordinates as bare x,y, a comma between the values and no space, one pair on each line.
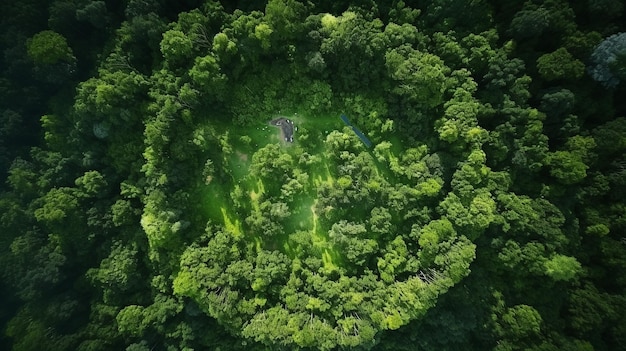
232,226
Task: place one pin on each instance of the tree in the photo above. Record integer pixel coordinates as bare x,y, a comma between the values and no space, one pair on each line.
558,104
224,47
95,13
562,268
59,205
176,47
158,212
37,265
48,48
262,32
208,77
380,221
349,40
529,23
568,167
92,184
609,61
139,39
571,166
353,243
285,17
519,322
118,274
609,137
316,62
270,269
53,58
560,64
402,34
591,309
421,77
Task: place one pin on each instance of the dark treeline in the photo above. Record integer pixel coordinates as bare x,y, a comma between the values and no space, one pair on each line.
488,214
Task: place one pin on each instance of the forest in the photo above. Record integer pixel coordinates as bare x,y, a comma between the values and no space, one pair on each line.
313,175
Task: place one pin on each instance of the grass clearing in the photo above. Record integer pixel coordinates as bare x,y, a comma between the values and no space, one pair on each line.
230,201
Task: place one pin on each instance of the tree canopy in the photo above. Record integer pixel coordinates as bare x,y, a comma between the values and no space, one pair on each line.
149,203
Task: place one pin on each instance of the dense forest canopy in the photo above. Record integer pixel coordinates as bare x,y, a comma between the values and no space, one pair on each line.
471,198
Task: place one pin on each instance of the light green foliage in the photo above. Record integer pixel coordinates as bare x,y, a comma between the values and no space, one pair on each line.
449,49
123,213
398,35
223,46
517,212
284,16
597,229
271,162
158,221
52,126
562,267
130,320
459,121
207,77
176,46
48,48
456,259
287,189
352,241
262,32
396,260
380,221
58,205
329,22
420,77
560,64
92,183
519,322
108,98
438,233
568,166
269,268
480,49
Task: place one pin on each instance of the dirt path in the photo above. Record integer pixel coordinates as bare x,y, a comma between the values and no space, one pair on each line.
286,128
